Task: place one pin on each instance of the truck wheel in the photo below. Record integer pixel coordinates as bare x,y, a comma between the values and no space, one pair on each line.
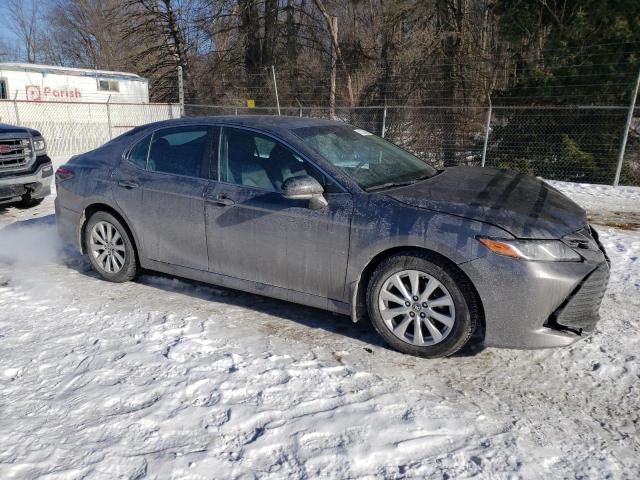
420,306
110,248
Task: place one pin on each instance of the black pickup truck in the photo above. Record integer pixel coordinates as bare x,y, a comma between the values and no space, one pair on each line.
25,169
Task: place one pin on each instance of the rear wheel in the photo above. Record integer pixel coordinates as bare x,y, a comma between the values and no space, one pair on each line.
110,248
421,306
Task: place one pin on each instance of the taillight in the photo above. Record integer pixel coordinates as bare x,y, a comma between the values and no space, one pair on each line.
64,173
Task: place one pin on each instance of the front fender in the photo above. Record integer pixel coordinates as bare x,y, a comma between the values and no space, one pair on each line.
381,224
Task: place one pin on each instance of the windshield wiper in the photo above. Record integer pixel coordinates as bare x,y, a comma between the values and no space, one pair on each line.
383,186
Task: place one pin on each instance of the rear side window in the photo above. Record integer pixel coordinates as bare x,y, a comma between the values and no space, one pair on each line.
180,150
138,154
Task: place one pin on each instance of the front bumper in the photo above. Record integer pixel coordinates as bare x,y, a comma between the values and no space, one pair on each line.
539,304
36,182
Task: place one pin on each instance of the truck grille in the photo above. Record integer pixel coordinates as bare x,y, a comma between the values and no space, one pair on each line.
15,153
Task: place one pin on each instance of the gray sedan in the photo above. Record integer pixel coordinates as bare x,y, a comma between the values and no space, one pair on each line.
328,215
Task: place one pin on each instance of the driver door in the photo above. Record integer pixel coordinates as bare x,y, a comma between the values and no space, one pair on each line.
256,234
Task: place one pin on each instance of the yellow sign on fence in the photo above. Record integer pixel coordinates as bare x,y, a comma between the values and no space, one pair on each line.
251,103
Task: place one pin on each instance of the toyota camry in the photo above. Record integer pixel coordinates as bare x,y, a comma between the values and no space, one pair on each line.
325,214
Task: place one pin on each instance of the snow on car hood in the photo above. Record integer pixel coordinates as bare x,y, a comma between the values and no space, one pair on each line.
521,204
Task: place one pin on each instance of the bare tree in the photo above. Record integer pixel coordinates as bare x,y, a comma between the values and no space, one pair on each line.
23,16
333,32
85,33
158,30
5,50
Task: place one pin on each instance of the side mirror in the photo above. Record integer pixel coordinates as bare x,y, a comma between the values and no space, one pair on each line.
305,187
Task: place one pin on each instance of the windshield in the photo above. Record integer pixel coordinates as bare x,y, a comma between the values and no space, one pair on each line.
366,158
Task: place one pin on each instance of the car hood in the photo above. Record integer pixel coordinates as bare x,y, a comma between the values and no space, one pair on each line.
521,204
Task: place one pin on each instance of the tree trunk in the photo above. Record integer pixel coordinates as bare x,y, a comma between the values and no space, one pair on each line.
336,45
270,32
250,31
178,49
450,17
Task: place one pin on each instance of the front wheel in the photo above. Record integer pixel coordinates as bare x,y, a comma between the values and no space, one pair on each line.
421,306
110,248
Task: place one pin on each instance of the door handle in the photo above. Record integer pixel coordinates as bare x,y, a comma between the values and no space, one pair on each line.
221,199
128,184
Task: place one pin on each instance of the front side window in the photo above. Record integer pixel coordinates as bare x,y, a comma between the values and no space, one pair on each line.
138,154
254,160
369,160
180,150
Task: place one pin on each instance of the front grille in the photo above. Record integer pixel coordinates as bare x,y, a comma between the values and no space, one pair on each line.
581,311
15,154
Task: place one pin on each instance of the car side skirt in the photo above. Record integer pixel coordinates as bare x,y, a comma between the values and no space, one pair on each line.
249,286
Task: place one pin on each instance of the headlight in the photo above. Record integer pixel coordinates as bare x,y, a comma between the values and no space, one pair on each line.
39,145
540,250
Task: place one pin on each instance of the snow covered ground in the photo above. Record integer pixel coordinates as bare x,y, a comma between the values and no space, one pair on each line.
606,205
166,378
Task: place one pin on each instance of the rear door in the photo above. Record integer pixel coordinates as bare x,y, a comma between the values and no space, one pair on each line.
170,187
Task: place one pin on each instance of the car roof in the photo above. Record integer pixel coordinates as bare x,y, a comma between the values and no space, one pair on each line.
272,123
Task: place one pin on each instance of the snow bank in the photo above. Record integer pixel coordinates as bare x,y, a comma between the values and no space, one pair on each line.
606,205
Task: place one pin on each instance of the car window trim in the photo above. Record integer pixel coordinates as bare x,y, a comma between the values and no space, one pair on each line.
214,149
127,152
277,140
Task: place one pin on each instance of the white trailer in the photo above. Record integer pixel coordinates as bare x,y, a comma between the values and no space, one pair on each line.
45,83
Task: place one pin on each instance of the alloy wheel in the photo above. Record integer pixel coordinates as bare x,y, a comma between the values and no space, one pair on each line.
416,307
107,247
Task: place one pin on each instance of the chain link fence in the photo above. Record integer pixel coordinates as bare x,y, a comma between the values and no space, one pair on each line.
75,127
576,143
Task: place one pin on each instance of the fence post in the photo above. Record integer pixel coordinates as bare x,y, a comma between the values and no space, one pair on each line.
486,134
384,121
275,86
109,117
15,107
180,91
625,135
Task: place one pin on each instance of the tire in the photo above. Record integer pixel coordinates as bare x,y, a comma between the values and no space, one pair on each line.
110,248
28,202
445,310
